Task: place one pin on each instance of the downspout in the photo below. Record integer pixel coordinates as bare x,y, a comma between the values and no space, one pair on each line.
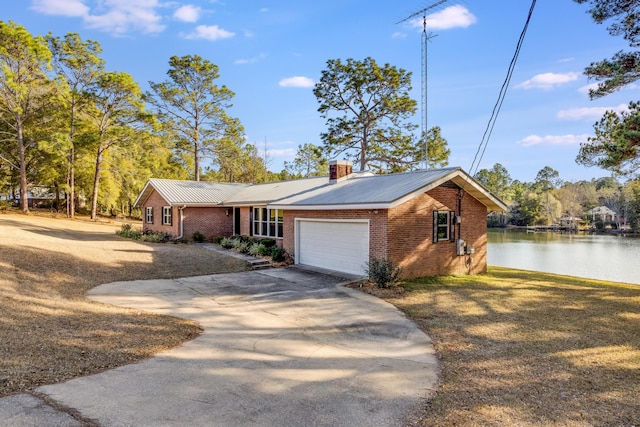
181,222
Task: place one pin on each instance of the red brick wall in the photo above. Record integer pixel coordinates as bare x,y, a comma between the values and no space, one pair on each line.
157,202
210,221
411,235
404,234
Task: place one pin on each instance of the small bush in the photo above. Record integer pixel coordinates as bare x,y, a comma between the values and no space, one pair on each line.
127,231
383,273
242,247
257,249
216,239
155,237
277,254
227,242
197,237
269,243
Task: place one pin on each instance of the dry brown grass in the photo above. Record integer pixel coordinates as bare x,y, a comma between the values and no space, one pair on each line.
530,349
49,332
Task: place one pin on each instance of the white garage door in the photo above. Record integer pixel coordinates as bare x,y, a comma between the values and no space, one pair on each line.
338,246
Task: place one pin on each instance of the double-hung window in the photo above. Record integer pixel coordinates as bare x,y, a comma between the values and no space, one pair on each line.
166,215
149,215
267,222
444,226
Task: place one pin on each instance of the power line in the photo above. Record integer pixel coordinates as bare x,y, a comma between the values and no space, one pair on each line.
503,91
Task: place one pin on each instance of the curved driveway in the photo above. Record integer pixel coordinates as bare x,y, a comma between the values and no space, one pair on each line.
280,347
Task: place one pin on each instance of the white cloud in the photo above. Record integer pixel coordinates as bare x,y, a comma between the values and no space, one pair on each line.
209,32
250,60
591,113
61,7
187,13
456,16
585,89
115,16
534,140
398,35
296,81
548,81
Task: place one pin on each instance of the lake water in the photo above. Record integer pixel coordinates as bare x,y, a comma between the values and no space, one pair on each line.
605,257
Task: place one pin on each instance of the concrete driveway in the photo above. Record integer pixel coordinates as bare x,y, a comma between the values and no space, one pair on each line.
280,347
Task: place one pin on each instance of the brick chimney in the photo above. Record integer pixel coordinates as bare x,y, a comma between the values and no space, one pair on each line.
339,170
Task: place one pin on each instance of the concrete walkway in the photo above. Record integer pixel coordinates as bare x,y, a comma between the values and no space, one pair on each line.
280,347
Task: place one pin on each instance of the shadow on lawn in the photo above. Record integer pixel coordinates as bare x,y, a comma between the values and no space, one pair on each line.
526,348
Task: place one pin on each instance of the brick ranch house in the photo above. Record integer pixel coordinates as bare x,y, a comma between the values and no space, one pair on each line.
429,222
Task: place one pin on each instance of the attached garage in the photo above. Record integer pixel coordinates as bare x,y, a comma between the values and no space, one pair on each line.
338,245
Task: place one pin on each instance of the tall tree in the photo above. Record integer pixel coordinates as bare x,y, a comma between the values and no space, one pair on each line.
624,67
437,149
117,110
367,107
547,180
192,108
616,143
309,161
78,64
25,94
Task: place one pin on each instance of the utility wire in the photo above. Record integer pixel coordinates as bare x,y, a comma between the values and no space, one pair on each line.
503,91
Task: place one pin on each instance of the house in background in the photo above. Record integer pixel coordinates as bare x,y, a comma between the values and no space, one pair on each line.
429,222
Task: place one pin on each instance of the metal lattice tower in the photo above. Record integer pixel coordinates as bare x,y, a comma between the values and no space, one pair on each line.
423,95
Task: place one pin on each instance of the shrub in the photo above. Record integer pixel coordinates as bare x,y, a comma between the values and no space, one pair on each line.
257,249
197,237
227,242
216,239
127,231
155,237
269,243
383,273
277,254
242,247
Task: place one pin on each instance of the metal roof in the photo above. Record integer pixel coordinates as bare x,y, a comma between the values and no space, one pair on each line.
189,193
386,191
267,193
358,191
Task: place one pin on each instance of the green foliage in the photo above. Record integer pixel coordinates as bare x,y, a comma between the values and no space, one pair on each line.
258,249
309,161
191,109
197,237
367,108
227,242
127,231
616,142
383,272
437,149
267,242
624,67
278,254
217,240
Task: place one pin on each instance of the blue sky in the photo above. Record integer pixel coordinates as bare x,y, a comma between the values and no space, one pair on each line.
271,52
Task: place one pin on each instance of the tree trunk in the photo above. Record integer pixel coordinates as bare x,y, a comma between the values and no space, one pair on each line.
24,202
71,197
96,184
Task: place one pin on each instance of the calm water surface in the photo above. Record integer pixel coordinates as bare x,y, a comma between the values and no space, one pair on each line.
615,258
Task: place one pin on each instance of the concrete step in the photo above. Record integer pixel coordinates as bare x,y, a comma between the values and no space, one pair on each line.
260,264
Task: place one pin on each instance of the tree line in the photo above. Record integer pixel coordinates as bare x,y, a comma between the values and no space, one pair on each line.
549,200
94,136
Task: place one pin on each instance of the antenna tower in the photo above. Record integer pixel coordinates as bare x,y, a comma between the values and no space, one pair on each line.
423,105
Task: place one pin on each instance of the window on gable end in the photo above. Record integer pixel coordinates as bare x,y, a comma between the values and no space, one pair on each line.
444,226
166,215
149,214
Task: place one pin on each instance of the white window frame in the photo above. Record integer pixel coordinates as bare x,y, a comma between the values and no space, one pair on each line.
444,226
149,214
267,222
167,215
